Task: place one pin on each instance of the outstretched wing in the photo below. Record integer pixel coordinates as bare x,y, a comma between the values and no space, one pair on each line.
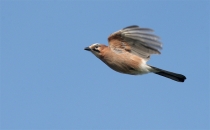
136,40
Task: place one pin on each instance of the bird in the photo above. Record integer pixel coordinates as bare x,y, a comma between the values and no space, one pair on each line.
129,50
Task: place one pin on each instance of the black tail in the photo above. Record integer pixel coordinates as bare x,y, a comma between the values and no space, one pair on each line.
170,75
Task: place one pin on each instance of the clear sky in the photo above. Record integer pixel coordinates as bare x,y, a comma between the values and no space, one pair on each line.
48,80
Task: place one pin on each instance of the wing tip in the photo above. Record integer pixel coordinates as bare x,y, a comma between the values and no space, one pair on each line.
131,26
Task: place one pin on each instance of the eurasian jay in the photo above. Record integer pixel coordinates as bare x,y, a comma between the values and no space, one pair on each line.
128,51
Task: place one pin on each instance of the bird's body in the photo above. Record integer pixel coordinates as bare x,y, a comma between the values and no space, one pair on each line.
128,51
123,62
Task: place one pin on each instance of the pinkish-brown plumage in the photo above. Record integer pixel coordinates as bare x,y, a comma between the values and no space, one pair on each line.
122,62
128,51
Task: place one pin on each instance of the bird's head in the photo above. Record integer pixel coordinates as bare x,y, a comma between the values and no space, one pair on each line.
96,49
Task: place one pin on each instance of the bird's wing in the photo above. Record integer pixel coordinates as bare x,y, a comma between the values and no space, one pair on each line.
136,40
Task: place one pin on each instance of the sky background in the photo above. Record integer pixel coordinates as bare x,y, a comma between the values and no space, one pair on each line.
48,81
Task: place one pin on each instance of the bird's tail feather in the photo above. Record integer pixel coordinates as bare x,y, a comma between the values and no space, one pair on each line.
170,75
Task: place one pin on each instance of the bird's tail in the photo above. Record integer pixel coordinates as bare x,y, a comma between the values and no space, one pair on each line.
170,75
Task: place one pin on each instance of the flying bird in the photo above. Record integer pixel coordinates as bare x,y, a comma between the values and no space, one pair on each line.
129,50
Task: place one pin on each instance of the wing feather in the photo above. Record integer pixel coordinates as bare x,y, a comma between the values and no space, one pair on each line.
141,41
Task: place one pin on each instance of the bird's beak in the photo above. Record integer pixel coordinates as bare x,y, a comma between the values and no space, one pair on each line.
87,49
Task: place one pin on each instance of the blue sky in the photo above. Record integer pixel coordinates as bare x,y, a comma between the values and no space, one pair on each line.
48,81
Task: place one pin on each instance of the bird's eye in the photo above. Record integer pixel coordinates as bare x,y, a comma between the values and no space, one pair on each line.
96,46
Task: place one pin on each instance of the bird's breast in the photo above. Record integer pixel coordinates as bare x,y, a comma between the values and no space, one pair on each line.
124,62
